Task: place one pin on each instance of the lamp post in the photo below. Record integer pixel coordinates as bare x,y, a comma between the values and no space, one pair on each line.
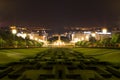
104,31
93,35
14,31
87,37
24,35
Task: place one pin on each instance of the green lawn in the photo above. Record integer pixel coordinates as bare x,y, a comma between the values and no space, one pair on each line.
110,55
11,55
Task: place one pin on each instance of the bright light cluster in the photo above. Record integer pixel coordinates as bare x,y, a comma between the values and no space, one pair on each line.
58,43
23,35
14,31
86,34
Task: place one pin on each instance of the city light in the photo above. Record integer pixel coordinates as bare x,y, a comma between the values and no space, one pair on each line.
44,38
40,40
14,31
36,39
58,43
87,32
24,35
82,38
104,33
31,37
76,40
87,37
93,34
104,30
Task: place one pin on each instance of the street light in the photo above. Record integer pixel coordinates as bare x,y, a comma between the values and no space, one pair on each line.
93,34
31,37
36,39
14,31
24,36
104,30
87,37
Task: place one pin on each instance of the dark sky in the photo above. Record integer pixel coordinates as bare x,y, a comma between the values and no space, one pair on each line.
59,13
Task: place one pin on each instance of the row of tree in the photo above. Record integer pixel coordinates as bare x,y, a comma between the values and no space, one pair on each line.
114,41
9,40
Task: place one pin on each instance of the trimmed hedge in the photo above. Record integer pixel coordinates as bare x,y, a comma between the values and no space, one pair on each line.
98,77
73,76
5,71
114,71
46,76
15,74
103,72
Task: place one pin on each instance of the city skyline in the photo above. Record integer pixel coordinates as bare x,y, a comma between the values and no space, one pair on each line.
58,14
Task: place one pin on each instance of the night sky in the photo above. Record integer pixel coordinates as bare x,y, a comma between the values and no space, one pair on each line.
57,14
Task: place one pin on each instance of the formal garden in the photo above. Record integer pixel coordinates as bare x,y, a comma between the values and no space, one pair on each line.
60,64
25,59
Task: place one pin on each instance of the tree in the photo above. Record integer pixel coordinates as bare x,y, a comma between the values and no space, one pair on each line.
83,43
106,42
2,43
92,40
115,39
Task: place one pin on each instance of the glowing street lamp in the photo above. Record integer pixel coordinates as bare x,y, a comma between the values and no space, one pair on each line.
31,37
82,38
43,38
93,34
36,39
24,35
14,31
104,30
87,37
72,37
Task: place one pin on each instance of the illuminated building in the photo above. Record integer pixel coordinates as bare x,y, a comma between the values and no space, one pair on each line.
84,35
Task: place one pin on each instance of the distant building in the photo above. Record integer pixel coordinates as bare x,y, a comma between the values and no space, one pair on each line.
116,30
85,35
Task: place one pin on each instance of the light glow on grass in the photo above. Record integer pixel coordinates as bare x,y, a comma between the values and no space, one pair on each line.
109,55
11,55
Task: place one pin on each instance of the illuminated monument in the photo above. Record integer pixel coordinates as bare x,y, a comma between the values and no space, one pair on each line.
59,42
